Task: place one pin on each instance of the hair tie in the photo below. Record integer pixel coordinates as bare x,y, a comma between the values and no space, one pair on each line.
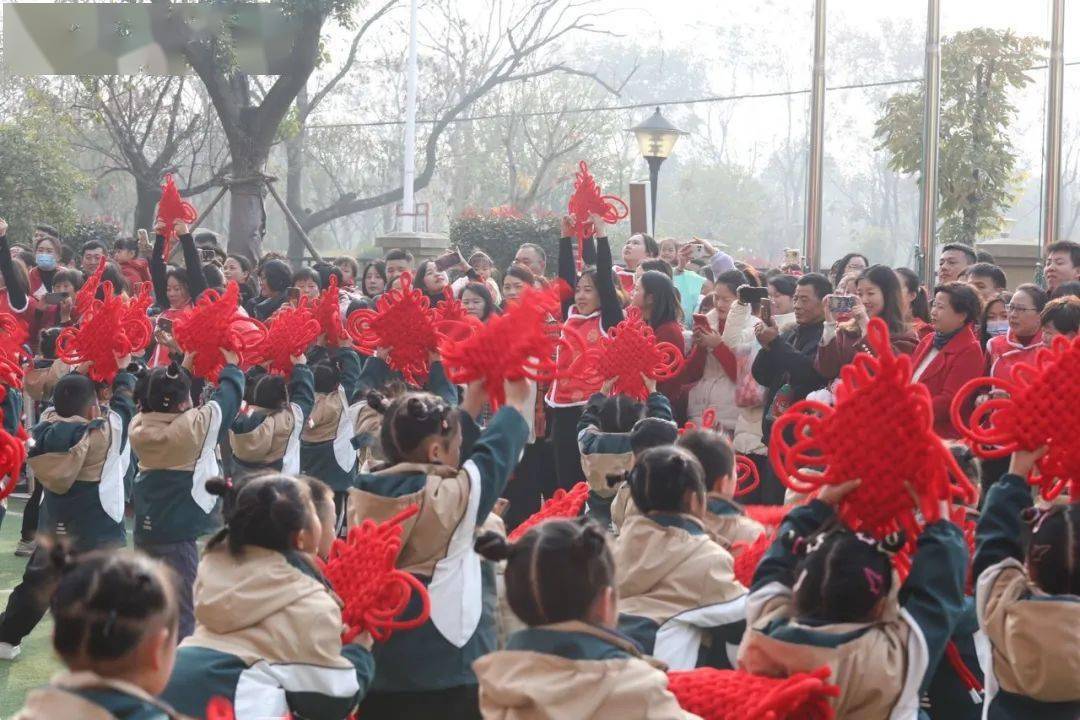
110,621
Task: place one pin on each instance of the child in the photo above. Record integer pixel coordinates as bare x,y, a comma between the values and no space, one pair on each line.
604,441
1029,607
114,618
571,662
678,595
723,517
79,455
176,446
647,434
433,462
267,436
269,628
824,595
326,443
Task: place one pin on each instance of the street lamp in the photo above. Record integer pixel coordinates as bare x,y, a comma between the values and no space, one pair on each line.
656,138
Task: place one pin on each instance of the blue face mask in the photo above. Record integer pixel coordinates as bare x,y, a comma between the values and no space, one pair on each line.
997,327
45,262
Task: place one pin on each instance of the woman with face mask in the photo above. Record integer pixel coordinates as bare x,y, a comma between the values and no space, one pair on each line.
46,262
1023,335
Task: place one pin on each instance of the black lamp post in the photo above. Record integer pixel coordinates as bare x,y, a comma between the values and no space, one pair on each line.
656,139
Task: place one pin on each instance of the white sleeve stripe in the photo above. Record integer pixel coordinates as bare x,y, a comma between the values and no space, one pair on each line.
907,707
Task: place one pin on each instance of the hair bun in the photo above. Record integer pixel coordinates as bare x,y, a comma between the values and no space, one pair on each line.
173,371
377,401
219,486
592,539
493,546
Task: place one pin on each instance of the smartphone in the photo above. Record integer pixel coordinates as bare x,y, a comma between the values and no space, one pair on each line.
749,293
701,322
165,325
841,304
294,296
699,252
765,313
54,298
792,256
449,259
207,255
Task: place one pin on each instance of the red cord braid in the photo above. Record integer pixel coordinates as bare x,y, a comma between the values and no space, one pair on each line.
1042,408
86,294
629,351
880,431
708,422
402,322
362,571
562,504
768,515
586,200
518,344
12,337
746,475
747,555
110,328
171,207
213,325
736,695
453,321
328,312
290,333
12,456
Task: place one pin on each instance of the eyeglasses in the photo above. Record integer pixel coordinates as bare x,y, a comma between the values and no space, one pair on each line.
1018,308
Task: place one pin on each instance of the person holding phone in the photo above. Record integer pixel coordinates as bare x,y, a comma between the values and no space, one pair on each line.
175,289
877,294
690,283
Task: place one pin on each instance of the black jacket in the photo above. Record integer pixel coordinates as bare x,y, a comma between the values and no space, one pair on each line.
788,360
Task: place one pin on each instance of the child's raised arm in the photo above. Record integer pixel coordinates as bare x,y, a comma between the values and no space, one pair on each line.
498,449
998,534
229,394
302,386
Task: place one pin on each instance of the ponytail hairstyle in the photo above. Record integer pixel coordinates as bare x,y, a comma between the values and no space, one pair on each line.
842,575
327,372
619,413
266,511
713,451
165,389
661,478
1053,558
263,390
555,572
410,420
107,602
920,306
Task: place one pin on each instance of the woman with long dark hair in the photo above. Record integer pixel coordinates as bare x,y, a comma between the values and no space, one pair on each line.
916,302
851,264
373,280
877,295
477,300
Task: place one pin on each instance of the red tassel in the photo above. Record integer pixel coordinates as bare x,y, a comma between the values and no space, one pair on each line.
1040,409
880,431
362,571
736,695
562,504
327,311
171,207
215,324
402,322
518,344
587,200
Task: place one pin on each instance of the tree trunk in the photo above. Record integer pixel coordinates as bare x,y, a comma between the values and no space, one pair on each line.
146,198
294,179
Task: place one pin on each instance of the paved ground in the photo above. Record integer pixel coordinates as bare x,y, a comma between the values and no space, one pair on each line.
36,663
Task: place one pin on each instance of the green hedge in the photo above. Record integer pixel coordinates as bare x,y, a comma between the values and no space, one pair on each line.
501,236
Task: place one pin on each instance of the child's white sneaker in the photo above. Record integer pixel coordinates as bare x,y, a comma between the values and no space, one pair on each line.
9,651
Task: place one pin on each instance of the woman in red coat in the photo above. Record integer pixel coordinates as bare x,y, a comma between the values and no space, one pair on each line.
951,356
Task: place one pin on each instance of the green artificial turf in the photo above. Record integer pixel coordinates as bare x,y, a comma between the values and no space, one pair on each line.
36,664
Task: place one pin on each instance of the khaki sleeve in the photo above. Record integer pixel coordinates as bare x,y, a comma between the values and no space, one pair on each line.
1007,587
58,471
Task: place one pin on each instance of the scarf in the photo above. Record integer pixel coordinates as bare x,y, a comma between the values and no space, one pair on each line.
942,339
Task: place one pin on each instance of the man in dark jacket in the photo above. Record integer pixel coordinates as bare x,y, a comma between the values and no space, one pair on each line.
785,365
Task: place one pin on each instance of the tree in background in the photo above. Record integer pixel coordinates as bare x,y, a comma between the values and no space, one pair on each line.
977,180
500,232
37,183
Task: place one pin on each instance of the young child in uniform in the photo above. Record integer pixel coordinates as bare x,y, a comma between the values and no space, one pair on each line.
570,662
647,433
268,637
724,518
434,462
177,449
267,436
604,441
678,596
79,453
1029,602
114,615
824,595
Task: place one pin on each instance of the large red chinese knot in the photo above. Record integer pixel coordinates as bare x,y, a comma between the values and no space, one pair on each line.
1042,407
88,292
880,431
736,695
362,571
586,200
518,344
290,332
109,329
629,351
562,504
12,447
402,322
214,324
12,456
171,207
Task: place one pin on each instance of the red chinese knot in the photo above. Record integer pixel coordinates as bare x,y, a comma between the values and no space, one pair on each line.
736,695
362,571
1042,407
562,504
291,331
215,324
587,200
402,322
109,329
171,207
880,431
